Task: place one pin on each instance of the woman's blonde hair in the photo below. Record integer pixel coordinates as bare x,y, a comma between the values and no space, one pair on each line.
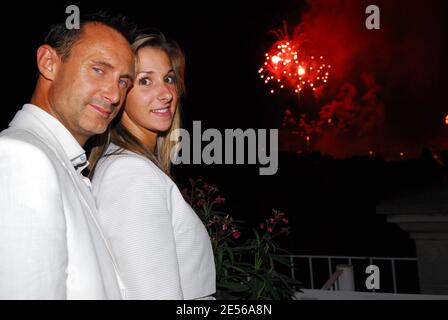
120,136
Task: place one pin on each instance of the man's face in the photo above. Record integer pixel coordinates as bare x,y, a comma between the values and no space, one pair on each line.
90,86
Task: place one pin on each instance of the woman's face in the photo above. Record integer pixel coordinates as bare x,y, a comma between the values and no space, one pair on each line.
151,103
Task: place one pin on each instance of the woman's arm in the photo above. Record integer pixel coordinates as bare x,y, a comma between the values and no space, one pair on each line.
133,213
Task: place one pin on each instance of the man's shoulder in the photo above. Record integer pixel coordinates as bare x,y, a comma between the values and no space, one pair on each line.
22,145
22,139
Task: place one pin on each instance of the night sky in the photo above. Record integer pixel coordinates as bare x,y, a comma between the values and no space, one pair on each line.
400,67
386,93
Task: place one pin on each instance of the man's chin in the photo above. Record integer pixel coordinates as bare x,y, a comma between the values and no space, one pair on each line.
95,124
95,131
101,130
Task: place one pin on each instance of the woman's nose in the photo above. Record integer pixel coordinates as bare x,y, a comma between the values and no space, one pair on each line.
165,93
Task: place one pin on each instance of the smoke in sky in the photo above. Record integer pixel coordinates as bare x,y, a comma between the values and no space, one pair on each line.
386,91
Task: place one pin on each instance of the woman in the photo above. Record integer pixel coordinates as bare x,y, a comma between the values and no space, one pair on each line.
162,248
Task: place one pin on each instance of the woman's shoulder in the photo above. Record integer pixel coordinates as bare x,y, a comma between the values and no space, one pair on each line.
125,162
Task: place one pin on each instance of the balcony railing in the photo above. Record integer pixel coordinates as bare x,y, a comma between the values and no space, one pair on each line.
304,268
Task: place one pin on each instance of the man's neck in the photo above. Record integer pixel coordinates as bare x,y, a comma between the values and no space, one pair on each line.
43,103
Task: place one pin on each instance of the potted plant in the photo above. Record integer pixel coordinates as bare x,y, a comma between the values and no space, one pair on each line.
244,262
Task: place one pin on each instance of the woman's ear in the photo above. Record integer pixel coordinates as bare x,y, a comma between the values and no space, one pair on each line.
47,61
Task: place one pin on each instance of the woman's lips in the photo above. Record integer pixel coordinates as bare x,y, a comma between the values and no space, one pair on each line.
161,112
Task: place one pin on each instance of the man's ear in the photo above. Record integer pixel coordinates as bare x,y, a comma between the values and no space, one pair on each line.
48,61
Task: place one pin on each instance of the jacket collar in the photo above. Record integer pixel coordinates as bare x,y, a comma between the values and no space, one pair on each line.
43,124
28,121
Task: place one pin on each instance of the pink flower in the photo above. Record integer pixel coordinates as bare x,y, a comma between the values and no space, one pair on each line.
236,234
219,200
285,220
224,227
270,229
200,202
206,186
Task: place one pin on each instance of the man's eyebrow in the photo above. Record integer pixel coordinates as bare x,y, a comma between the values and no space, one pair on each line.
128,76
110,66
103,63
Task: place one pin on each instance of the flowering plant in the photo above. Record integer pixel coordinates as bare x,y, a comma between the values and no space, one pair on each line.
244,263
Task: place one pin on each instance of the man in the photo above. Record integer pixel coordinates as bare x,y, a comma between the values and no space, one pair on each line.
50,244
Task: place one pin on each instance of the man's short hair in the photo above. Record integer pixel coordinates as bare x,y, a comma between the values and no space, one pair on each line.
62,39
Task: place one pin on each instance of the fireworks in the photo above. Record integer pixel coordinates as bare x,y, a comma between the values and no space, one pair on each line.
287,66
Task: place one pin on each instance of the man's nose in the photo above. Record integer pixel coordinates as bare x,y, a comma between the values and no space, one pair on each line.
112,93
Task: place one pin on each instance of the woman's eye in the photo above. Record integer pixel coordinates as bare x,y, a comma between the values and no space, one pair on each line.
144,82
170,79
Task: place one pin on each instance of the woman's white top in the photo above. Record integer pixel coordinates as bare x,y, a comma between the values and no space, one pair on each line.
162,248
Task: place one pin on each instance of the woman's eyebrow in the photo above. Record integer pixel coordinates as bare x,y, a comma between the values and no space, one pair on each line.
150,72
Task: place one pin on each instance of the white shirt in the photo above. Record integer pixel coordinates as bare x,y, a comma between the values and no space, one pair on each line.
162,248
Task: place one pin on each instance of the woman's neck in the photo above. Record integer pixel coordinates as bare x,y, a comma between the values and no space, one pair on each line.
146,137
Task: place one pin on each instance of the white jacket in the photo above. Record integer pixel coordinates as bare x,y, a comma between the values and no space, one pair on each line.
162,248
50,245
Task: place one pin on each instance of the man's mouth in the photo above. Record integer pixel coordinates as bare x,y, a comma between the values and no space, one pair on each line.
103,111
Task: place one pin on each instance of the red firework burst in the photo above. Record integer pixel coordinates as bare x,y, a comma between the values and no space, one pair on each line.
288,66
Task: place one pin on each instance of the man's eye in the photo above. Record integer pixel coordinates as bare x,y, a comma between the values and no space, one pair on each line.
170,79
124,84
144,82
97,70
